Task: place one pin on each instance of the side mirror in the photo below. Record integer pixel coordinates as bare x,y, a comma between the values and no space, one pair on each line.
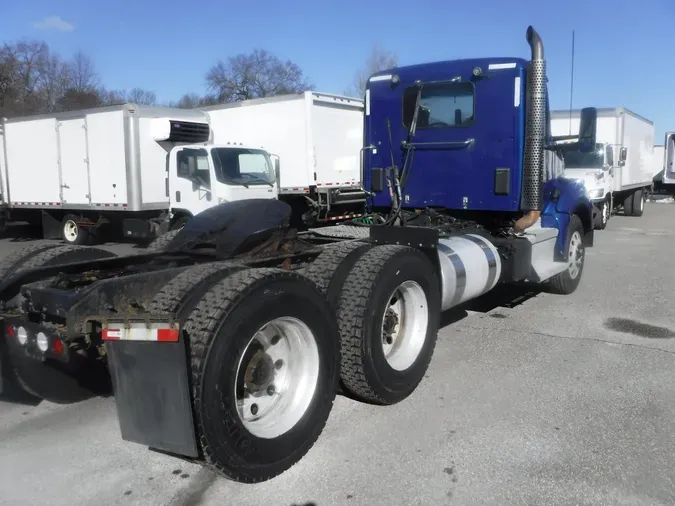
609,157
623,155
587,129
277,172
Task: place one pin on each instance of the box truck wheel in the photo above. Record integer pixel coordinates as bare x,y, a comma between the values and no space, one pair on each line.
603,215
567,281
265,352
389,314
73,233
638,202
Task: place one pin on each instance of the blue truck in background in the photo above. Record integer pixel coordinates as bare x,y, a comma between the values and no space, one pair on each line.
227,341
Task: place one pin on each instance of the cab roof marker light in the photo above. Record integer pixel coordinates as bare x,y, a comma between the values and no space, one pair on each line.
500,66
385,77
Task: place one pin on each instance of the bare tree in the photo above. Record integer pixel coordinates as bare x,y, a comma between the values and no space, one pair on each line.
193,100
141,96
73,100
255,75
83,73
378,59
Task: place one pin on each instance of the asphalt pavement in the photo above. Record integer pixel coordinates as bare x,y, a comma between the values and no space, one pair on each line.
530,399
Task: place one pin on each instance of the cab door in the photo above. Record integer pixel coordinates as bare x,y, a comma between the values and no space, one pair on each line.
191,180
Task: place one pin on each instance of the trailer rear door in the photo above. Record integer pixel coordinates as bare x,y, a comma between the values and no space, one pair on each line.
74,161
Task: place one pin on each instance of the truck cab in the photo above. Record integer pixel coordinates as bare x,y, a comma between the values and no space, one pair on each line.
596,170
472,139
201,176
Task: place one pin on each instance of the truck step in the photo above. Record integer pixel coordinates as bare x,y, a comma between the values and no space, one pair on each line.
544,265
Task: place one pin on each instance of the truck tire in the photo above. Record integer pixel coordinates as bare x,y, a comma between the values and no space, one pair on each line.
11,262
255,436
55,385
72,233
567,281
330,269
162,241
181,293
638,202
387,345
603,215
628,205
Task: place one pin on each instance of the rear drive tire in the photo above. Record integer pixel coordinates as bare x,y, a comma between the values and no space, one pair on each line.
638,202
575,255
330,269
160,244
387,346
290,372
180,295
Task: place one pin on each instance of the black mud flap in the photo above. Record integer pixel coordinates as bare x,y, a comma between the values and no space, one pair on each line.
151,386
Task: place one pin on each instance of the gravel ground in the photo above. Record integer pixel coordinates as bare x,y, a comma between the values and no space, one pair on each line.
530,399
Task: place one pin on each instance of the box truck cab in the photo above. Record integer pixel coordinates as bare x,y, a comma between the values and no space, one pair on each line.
596,170
202,176
618,173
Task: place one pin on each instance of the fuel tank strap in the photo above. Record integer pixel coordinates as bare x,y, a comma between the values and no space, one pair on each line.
460,271
489,255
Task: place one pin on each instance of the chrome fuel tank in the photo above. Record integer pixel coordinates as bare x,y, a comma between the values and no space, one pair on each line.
470,266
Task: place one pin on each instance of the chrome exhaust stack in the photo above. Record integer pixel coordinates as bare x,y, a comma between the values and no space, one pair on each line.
535,128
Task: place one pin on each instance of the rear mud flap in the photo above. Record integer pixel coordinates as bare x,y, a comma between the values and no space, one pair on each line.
152,394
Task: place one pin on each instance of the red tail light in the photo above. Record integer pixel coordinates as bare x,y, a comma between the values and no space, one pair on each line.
57,346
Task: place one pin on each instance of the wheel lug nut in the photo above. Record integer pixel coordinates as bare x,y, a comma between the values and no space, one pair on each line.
271,390
278,364
254,409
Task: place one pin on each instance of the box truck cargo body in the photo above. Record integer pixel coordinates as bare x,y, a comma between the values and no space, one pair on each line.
317,138
135,166
619,173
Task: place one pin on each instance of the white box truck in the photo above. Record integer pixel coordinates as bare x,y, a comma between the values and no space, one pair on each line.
318,139
142,169
619,173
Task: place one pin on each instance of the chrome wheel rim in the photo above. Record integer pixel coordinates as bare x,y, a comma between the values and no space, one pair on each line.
575,257
404,325
605,212
277,377
70,230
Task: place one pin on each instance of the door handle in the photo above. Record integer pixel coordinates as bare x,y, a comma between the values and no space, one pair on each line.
440,144
177,195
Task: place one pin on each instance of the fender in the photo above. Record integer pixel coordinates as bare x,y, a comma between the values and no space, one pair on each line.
564,198
233,226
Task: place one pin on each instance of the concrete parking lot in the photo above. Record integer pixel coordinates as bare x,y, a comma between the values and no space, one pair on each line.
530,399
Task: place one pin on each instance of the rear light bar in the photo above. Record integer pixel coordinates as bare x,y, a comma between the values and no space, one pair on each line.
41,340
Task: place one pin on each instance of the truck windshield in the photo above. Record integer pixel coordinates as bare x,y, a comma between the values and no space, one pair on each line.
243,166
578,160
442,105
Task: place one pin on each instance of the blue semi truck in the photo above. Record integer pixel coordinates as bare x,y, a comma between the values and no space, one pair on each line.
228,340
